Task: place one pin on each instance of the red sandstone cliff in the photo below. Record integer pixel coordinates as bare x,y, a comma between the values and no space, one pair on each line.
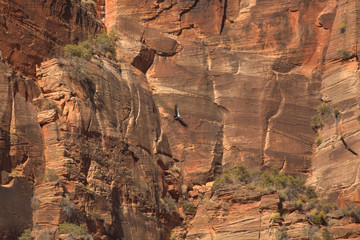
96,142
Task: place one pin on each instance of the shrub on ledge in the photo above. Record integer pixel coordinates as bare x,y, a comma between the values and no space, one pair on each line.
102,44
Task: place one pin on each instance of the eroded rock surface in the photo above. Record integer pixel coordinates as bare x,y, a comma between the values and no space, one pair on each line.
32,31
104,167
98,143
247,91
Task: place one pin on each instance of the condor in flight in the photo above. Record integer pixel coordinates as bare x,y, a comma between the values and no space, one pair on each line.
178,117
347,146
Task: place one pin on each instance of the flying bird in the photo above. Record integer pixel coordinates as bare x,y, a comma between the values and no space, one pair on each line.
178,117
347,146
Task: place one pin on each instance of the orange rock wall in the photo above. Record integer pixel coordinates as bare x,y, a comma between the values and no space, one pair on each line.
32,31
247,76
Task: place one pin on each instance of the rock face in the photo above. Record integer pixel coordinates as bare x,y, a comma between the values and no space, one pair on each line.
96,142
36,30
21,151
103,166
239,89
249,78
248,91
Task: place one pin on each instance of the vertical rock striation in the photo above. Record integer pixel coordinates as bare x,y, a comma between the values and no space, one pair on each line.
96,143
33,31
249,73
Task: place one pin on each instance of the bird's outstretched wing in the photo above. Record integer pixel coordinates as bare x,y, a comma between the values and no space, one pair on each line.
343,141
347,146
182,122
352,151
178,117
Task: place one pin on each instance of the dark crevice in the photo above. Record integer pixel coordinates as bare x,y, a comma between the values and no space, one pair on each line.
216,165
5,149
144,60
189,9
85,163
224,17
179,32
160,12
116,229
66,15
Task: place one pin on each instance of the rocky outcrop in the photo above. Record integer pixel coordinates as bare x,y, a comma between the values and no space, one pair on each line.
21,150
335,171
254,212
247,92
96,142
107,175
33,31
248,79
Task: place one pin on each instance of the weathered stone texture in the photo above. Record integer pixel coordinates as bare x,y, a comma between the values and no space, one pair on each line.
32,31
95,147
247,91
100,138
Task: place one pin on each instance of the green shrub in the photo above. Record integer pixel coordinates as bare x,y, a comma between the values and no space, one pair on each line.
231,20
26,235
344,54
319,206
102,43
222,180
316,122
13,173
236,175
168,205
241,173
310,193
290,186
336,112
325,207
76,231
189,207
280,181
266,179
342,28
324,110
299,204
318,140
351,211
105,44
276,216
295,187
317,217
82,50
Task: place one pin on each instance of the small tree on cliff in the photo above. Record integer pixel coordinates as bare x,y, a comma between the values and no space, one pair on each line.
82,50
102,44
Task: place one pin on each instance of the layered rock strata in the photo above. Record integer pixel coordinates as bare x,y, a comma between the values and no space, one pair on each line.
32,31
96,142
